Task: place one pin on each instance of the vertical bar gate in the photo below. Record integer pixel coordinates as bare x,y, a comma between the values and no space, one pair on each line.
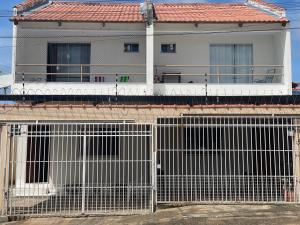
228,159
79,168
123,168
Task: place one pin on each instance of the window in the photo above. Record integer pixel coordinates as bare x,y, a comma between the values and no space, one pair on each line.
103,142
231,57
168,48
131,47
68,54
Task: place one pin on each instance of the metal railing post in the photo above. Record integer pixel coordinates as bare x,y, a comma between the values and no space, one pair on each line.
206,88
218,72
23,83
117,86
81,73
83,172
252,72
154,168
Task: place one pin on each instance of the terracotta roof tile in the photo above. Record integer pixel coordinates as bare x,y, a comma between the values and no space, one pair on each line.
208,12
85,12
182,13
27,4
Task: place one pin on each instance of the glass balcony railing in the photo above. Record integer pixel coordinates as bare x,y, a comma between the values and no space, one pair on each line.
136,73
78,73
219,74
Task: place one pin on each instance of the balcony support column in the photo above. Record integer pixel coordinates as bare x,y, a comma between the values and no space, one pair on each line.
14,48
287,62
149,58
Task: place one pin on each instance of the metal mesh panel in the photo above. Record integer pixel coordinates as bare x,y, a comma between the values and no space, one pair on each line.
64,169
227,159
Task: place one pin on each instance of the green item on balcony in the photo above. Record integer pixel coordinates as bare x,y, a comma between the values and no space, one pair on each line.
124,79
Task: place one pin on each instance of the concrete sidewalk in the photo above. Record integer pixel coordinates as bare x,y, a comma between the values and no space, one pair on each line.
189,215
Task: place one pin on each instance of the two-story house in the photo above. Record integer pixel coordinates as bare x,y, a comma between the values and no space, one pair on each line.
151,49
65,157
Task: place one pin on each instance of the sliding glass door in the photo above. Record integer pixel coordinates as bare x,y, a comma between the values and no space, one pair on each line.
231,63
67,59
243,61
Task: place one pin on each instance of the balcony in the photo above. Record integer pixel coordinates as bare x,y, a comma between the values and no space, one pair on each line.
131,79
219,74
135,73
80,79
80,73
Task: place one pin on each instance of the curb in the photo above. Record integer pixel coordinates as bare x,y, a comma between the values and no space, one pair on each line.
3,219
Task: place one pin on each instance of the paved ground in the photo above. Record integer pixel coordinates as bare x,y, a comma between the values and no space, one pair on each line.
189,215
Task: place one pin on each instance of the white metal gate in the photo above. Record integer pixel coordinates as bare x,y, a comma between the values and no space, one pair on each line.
115,167
228,159
79,168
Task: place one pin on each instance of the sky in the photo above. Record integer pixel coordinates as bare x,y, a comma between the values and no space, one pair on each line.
292,6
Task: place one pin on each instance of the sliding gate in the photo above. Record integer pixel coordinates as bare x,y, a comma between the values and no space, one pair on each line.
228,159
79,168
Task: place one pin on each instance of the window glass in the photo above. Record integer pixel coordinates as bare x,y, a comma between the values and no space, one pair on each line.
67,54
231,61
131,47
168,48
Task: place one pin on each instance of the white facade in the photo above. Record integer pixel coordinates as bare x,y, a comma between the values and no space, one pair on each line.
271,51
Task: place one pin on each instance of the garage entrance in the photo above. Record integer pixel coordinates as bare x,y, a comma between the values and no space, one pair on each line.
79,168
227,159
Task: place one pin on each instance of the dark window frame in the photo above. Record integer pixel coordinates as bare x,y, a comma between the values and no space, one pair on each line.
166,48
131,49
53,58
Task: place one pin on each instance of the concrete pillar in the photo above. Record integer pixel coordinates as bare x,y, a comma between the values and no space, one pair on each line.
287,62
4,143
296,161
150,58
14,49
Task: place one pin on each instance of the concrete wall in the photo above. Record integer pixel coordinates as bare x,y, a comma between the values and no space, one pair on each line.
142,114
4,154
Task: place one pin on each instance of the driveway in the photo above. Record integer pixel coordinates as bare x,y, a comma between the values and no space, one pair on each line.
189,215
